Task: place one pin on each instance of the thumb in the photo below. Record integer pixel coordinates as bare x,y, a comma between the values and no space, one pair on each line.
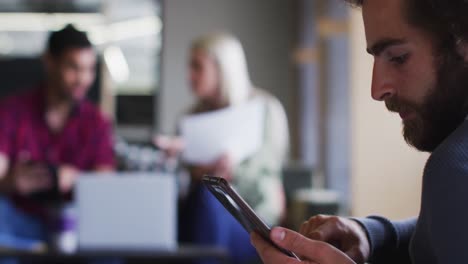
311,250
290,240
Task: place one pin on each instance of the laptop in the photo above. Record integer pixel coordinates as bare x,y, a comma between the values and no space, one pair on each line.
131,211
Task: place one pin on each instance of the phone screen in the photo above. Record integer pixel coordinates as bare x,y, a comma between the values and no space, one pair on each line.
231,200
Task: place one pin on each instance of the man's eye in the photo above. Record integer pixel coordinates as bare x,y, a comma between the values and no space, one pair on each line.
399,59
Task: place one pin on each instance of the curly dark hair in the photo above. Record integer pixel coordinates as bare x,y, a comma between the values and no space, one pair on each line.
445,20
68,37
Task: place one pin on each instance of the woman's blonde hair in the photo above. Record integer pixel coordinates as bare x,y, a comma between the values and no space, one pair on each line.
227,51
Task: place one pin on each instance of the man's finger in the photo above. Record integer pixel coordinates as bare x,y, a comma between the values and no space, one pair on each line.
312,250
326,232
311,224
268,253
294,242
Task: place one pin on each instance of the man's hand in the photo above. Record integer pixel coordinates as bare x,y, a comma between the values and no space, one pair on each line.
343,233
310,251
67,176
4,165
30,177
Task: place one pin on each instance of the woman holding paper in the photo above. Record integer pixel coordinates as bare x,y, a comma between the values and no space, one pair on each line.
219,79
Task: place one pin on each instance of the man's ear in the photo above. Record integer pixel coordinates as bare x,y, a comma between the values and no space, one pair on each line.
462,49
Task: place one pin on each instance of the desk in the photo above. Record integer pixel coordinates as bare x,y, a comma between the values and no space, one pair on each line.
182,254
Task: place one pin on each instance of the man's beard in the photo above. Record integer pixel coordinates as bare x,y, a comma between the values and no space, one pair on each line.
443,109
66,97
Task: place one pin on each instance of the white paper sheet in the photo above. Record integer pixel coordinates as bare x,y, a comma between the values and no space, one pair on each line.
236,131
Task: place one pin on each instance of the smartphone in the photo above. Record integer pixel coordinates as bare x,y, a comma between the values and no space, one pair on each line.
231,200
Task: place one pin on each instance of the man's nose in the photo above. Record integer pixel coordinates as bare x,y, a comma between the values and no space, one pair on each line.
383,85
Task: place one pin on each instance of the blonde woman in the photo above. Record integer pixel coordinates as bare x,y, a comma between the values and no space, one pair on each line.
219,78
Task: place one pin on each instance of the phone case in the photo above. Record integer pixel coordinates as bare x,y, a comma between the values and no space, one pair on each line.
246,216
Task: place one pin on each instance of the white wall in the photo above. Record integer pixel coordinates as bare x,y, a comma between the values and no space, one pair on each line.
261,25
386,173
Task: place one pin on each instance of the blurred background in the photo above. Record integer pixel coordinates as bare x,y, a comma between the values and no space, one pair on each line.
310,54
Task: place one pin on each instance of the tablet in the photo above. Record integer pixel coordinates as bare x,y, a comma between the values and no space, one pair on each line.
231,200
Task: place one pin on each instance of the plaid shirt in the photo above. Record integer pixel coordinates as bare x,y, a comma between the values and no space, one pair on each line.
85,142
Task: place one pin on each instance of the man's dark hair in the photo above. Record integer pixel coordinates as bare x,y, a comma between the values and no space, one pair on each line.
445,20
68,37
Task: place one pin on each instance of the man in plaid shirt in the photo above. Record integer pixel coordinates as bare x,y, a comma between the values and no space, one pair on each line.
47,135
